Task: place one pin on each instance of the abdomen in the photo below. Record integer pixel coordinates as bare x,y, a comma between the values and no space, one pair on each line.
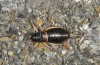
57,35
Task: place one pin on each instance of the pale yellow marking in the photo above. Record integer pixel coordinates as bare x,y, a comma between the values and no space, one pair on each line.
52,28
66,45
45,36
39,21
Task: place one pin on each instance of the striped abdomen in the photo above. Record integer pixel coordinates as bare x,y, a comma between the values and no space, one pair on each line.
54,35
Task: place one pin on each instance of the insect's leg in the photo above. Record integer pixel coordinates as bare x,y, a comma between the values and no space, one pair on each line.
33,26
52,27
48,46
35,45
45,28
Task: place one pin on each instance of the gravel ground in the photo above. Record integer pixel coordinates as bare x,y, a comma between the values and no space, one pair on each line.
81,17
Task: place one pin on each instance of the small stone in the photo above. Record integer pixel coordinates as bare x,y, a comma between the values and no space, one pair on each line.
99,15
95,49
0,6
10,53
91,60
24,54
97,8
32,59
13,31
23,45
21,38
85,26
5,39
86,43
19,33
17,28
51,54
88,1
5,9
16,42
5,52
81,28
29,10
21,15
1,62
18,51
63,52
77,0
24,31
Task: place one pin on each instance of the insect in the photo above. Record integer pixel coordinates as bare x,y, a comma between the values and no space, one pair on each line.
53,35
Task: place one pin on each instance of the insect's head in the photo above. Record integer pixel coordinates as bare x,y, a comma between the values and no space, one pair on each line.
37,37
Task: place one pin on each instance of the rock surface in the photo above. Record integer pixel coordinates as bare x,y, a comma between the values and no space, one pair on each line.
20,18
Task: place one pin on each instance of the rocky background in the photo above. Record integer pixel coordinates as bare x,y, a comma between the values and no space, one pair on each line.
20,18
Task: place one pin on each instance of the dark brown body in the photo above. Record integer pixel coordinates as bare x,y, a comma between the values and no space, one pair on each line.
53,35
